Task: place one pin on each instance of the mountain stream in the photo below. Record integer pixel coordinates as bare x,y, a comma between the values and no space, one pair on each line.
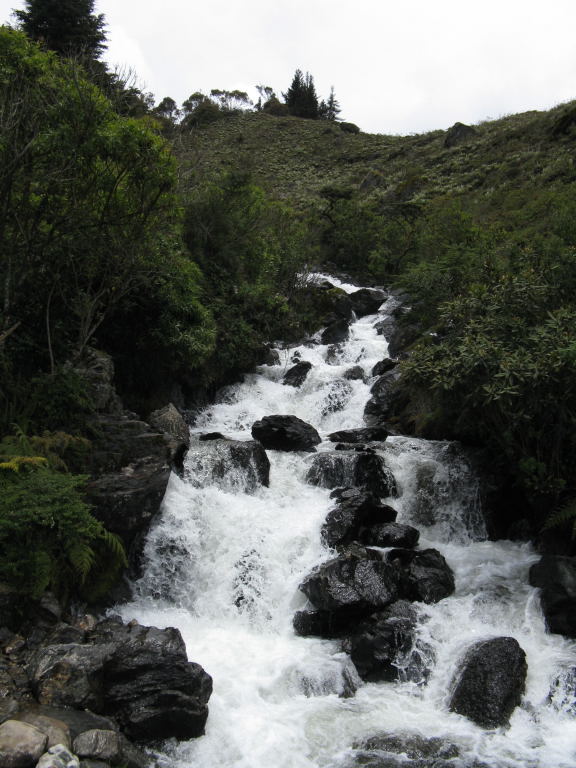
225,559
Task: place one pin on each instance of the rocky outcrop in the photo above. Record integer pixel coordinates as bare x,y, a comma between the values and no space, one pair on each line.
458,134
295,376
410,751
383,366
356,373
425,574
555,576
170,421
491,682
367,301
138,675
285,433
360,469
377,409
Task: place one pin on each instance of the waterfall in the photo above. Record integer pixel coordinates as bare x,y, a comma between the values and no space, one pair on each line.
225,559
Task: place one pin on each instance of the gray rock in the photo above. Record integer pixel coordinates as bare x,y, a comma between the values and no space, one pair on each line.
390,535
103,745
21,744
361,469
383,366
271,357
58,756
367,301
353,510
360,435
285,433
97,370
491,682
56,730
377,409
241,463
169,420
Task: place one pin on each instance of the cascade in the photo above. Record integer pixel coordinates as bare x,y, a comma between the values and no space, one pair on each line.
227,554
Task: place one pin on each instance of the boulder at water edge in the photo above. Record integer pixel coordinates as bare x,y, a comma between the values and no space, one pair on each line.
367,301
556,577
285,433
491,682
410,751
138,675
425,574
360,469
353,585
377,409
21,744
360,435
295,376
380,641
390,535
336,333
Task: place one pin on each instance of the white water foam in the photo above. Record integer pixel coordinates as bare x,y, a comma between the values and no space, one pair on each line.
223,565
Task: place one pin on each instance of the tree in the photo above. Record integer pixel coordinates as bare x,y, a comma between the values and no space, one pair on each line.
301,98
332,106
68,27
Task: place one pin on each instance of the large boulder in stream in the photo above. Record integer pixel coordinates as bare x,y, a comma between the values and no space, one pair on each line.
285,433
351,585
378,408
380,643
360,469
425,574
555,576
138,675
367,301
390,534
404,750
353,510
295,376
491,682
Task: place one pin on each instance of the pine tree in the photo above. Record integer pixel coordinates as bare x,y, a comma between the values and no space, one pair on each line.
68,27
301,98
332,106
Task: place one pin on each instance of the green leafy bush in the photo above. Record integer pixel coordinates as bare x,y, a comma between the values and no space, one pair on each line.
49,539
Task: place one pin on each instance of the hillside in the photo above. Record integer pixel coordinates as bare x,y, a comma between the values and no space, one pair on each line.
294,159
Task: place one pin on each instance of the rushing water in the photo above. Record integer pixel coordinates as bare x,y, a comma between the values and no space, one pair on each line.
224,562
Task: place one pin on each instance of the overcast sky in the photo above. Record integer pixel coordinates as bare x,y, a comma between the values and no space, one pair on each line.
397,66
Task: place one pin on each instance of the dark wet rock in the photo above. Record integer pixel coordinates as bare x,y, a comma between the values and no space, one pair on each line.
353,549
459,133
390,535
350,584
367,301
356,373
243,463
409,751
344,521
77,721
361,469
97,371
555,576
426,576
491,682
295,376
138,675
207,436
170,420
380,642
285,433
403,336
327,624
379,407
271,357
336,333
336,397
360,435
384,366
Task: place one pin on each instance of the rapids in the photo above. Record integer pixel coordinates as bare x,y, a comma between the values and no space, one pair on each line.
224,561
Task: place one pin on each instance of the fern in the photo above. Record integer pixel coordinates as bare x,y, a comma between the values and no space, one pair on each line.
82,558
563,515
18,463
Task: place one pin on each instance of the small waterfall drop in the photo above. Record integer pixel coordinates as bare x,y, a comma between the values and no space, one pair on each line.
225,558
